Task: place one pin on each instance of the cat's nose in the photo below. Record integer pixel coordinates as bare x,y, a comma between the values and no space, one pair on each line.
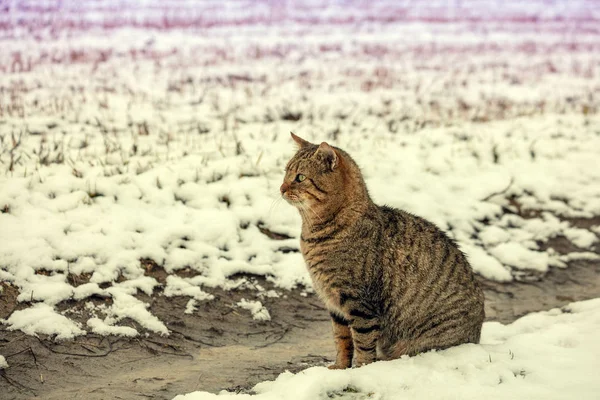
284,187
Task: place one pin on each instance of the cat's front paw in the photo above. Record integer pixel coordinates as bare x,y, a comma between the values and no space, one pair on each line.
360,363
338,366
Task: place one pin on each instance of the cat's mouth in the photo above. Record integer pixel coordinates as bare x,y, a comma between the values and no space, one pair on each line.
291,198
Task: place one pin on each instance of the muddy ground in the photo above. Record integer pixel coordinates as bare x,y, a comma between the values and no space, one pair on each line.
221,347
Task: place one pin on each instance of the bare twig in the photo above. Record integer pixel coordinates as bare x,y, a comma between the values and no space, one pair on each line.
28,349
276,340
16,142
107,352
193,339
15,339
176,352
19,386
512,179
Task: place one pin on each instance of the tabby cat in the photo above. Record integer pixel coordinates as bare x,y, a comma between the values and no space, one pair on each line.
393,282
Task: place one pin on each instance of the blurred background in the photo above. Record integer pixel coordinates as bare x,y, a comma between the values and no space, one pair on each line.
430,61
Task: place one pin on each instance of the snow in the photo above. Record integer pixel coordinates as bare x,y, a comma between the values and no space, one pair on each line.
127,306
493,235
42,318
580,237
100,327
545,355
190,306
516,255
584,255
488,266
177,286
172,148
134,218
258,311
3,363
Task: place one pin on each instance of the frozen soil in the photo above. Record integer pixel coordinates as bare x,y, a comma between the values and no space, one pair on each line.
221,347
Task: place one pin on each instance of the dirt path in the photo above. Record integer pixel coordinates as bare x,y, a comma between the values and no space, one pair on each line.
220,347
216,348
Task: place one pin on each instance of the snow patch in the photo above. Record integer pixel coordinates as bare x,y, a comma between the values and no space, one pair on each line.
488,266
190,306
100,327
580,237
127,306
517,256
177,286
43,319
584,255
541,356
258,311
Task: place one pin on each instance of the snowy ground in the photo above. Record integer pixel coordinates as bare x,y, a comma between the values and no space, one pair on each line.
546,355
159,138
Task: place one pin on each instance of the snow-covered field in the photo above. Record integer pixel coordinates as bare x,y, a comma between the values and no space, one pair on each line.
159,135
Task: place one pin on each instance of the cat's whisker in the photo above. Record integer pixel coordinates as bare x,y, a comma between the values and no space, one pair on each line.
304,215
274,204
316,215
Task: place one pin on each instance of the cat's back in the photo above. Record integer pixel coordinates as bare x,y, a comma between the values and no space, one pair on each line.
429,278
422,243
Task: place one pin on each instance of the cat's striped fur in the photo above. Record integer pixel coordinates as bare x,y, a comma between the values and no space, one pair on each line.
393,282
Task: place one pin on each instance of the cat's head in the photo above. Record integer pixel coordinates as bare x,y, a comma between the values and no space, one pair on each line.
319,178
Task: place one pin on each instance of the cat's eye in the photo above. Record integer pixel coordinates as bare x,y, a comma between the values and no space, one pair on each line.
300,178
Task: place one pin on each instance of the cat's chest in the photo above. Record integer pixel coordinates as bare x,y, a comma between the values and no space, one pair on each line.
324,280
329,295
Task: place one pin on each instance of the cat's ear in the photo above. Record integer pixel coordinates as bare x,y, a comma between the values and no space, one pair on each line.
299,141
329,154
